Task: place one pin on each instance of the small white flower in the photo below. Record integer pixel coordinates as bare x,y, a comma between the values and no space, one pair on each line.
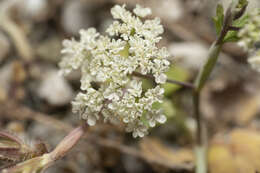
161,78
88,38
119,12
112,92
138,129
91,120
161,118
116,46
142,12
152,29
254,61
135,88
74,56
250,33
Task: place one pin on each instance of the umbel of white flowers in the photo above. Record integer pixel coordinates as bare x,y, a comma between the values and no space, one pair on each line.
108,63
250,33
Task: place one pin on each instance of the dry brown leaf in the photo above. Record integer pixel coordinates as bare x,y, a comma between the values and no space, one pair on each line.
243,165
155,150
220,160
19,73
249,109
34,165
246,143
240,153
3,94
15,150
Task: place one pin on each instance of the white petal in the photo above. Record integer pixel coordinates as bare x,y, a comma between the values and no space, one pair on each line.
152,123
161,118
142,12
161,78
91,120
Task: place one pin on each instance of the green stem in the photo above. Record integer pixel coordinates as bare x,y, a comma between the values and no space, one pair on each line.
204,73
208,66
201,141
172,81
201,138
201,159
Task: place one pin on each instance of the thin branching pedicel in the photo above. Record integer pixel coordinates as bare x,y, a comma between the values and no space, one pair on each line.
110,91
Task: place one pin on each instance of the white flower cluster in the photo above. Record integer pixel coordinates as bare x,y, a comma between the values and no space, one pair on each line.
254,61
110,91
250,33
249,36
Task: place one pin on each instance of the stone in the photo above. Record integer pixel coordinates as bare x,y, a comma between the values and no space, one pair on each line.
189,54
55,89
75,16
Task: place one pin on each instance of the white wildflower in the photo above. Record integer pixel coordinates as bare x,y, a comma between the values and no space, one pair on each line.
138,129
250,33
152,29
88,38
110,92
74,56
161,78
156,116
119,12
136,88
254,61
142,12
88,105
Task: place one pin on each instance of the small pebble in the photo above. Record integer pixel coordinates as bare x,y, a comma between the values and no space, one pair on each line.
55,89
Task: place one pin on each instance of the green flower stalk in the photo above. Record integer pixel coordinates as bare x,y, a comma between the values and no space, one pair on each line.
226,26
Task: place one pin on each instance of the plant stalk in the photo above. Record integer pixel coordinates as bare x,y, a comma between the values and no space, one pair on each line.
68,142
204,73
172,81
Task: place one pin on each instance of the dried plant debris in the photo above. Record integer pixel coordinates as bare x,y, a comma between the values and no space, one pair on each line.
14,150
175,159
237,151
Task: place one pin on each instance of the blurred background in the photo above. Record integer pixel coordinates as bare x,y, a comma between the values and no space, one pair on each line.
35,100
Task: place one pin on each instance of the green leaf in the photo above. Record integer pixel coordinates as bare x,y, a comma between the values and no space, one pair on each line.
168,108
219,19
241,21
176,73
242,3
144,120
232,35
207,68
146,84
125,51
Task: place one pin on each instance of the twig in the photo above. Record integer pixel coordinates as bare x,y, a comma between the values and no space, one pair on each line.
18,36
183,84
68,142
233,28
12,109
